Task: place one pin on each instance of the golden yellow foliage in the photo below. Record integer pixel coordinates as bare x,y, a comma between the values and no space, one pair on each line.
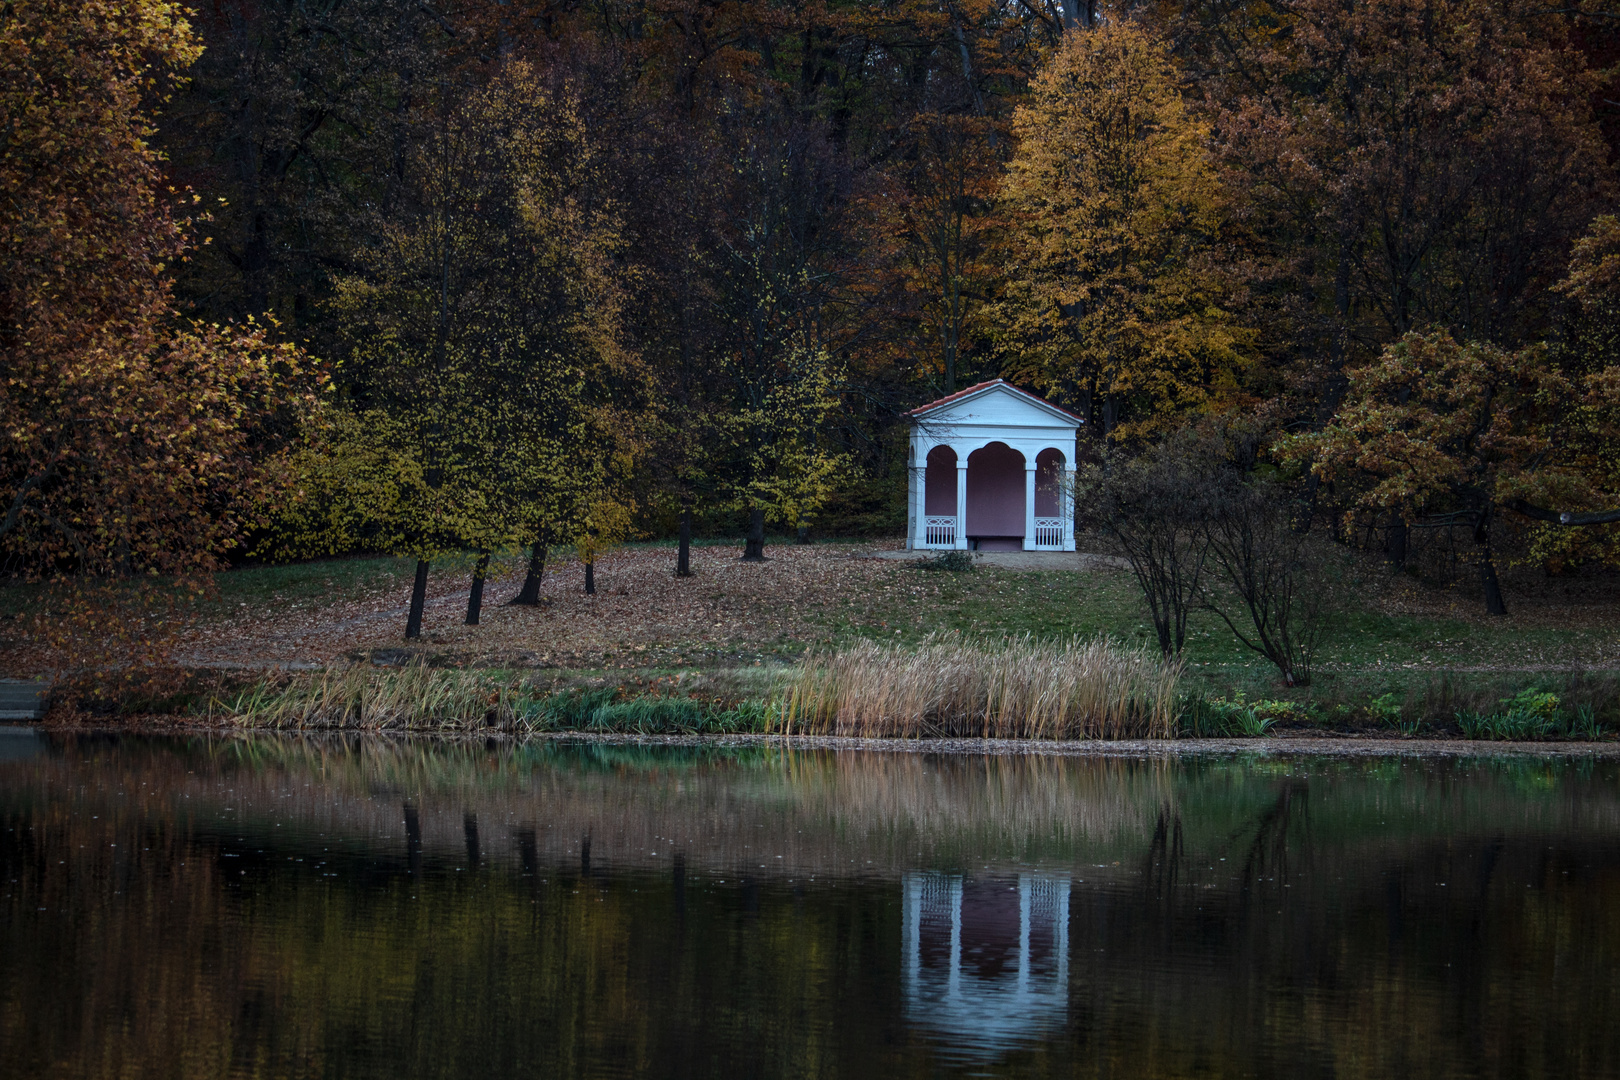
1114,210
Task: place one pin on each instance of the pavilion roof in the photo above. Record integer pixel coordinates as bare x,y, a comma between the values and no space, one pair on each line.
979,388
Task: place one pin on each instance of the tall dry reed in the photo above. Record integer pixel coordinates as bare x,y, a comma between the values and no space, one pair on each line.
413,697
1016,688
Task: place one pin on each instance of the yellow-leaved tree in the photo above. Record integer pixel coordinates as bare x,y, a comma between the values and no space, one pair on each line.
793,468
490,400
1114,301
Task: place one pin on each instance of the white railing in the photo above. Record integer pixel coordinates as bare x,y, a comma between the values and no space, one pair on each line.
1049,532
939,531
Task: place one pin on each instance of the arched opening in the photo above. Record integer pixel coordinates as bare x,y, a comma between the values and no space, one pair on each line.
939,484
1048,483
939,498
1049,500
995,498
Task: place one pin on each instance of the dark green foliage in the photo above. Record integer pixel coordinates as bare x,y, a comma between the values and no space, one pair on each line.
1217,718
1532,714
597,711
952,562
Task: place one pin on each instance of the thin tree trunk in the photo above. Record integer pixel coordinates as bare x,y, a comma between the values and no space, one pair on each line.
1494,604
754,550
1395,536
413,624
590,578
475,597
529,595
683,556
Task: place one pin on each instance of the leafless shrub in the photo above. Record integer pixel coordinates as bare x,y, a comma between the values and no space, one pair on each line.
1272,582
1157,508
1200,530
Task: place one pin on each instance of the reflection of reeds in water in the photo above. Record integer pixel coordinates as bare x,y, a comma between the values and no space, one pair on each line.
1018,688
774,811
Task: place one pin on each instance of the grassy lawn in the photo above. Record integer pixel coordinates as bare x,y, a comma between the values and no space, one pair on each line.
326,579
1368,652
734,618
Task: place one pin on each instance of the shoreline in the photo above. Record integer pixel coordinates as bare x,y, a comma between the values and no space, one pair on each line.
1287,744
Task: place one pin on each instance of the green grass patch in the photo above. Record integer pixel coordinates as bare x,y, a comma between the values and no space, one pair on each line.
1399,673
322,580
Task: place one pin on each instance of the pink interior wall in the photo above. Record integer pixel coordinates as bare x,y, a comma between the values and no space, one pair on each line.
995,491
1048,482
939,482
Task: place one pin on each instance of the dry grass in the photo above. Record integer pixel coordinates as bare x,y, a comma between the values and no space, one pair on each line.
414,697
1017,688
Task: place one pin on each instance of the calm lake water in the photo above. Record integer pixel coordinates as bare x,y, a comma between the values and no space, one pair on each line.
303,907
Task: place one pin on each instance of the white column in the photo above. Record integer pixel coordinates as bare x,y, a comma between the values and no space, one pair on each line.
916,479
961,500
1029,504
1066,507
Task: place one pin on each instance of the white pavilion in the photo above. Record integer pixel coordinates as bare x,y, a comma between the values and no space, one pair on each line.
992,470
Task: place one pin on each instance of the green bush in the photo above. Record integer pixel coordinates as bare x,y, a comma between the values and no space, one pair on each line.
1532,702
596,711
1385,710
953,562
1206,718
1530,714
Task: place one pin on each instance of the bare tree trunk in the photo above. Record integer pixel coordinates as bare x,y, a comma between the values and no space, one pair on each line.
754,550
1494,604
590,578
804,535
475,597
1395,536
529,595
413,623
683,556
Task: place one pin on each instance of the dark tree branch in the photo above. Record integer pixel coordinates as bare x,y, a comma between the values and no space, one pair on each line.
1563,517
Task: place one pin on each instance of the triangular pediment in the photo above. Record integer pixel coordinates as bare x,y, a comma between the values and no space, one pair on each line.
997,403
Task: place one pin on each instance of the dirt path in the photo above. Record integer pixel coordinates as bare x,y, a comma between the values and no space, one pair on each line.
1022,560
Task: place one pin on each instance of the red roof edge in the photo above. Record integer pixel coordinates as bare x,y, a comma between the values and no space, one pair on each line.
976,387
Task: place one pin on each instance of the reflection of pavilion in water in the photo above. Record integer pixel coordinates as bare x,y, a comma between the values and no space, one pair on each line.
986,962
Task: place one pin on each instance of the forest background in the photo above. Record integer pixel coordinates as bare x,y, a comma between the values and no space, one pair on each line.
290,278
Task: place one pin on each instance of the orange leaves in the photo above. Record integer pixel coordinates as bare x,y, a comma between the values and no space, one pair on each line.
1435,426
128,444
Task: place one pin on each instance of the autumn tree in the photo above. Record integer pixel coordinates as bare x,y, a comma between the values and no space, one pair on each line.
935,220
485,333
129,440
1112,300
770,290
1461,432
1409,164
1586,352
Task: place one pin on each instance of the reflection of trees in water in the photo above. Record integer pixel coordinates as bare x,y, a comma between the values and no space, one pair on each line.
1266,856
796,811
1406,941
